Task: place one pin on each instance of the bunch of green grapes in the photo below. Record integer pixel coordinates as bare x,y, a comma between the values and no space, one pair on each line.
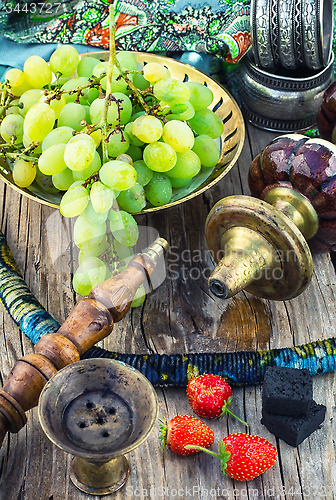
111,157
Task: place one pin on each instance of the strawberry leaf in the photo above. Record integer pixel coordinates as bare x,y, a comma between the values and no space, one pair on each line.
226,411
163,432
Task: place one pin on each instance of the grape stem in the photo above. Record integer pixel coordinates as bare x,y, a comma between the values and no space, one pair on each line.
111,62
136,91
24,155
6,97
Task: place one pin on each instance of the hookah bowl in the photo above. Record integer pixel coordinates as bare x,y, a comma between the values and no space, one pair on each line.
98,410
260,244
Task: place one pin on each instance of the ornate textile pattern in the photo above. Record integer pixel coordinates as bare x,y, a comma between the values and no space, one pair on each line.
239,368
143,25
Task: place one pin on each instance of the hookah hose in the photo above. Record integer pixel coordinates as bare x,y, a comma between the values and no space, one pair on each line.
238,368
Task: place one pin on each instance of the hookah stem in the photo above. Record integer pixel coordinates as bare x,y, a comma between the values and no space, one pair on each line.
90,321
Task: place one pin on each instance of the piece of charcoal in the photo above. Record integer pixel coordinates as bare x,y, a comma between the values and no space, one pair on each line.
293,430
287,391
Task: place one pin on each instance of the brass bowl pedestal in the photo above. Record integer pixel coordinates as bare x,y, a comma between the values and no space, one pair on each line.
260,246
98,410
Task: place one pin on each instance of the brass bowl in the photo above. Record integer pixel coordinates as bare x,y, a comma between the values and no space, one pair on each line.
230,143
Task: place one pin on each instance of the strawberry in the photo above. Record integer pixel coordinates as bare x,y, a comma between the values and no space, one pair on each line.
183,430
243,456
210,396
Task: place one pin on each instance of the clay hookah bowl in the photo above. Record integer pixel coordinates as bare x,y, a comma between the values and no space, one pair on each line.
260,244
98,410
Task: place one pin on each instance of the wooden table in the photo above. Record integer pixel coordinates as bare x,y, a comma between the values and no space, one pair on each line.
180,316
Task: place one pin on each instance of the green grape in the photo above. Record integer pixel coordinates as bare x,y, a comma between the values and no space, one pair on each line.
139,297
101,197
74,201
37,71
97,106
72,115
136,114
125,106
200,96
28,99
179,183
132,200
87,114
133,138
134,152
118,175
187,165
39,121
64,60
60,135
147,128
125,158
89,274
144,174
96,251
159,156
79,152
97,136
140,82
63,180
159,190
100,68
12,126
207,150
117,85
13,109
123,227
184,115
178,135
127,60
87,96
86,234
52,161
18,81
96,110
124,252
118,144
83,175
207,122
24,173
153,72
93,216
171,91
56,104
86,65
45,182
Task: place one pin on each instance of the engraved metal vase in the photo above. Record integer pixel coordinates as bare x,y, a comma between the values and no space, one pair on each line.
282,103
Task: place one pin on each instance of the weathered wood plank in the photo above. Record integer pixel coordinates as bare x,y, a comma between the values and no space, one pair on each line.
180,316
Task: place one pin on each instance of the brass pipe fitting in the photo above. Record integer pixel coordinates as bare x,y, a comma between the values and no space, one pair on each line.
260,246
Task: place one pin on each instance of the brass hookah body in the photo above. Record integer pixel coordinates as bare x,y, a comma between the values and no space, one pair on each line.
261,245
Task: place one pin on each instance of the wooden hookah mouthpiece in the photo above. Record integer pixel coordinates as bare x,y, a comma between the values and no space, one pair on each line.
90,321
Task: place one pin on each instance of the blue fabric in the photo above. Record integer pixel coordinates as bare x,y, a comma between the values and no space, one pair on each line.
13,54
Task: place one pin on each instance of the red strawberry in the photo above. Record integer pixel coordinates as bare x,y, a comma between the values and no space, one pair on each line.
244,457
183,430
210,396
